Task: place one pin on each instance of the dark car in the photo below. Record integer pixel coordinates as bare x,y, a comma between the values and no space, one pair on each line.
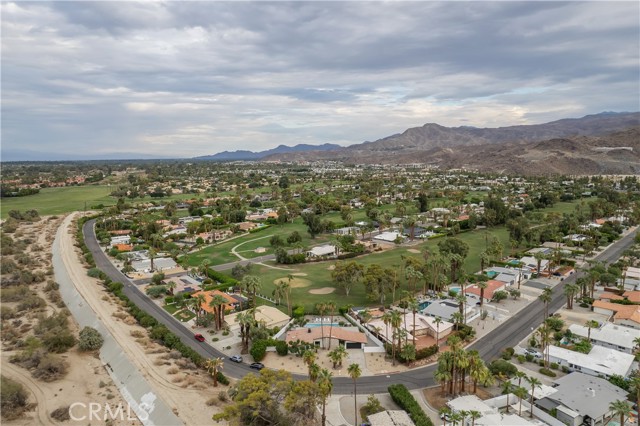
257,365
199,337
235,358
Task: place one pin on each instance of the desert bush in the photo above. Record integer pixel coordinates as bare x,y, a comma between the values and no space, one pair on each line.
90,339
13,398
6,312
61,414
547,372
30,302
50,368
14,294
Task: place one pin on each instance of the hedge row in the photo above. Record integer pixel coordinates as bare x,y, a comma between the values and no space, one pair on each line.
158,331
401,396
225,280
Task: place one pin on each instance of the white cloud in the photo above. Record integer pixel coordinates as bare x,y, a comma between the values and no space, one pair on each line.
193,78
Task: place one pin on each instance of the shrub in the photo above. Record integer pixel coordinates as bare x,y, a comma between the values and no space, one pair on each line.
222,378
507,353
401,396
155,291
50,368
61,414
528,357
554,366
503,367
298,312
547,372
521,359
282,348
258,350
96,273
6,312
426,352
59,340
90,339
13,398
565,369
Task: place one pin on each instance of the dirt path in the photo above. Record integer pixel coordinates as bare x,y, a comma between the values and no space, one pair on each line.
22,376
187,403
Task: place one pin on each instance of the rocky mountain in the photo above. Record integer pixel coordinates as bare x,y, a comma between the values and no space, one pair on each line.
281,149
414,143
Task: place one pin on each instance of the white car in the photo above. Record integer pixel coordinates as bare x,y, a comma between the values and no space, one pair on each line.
535,353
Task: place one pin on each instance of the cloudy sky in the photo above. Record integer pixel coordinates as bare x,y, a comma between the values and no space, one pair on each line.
185,79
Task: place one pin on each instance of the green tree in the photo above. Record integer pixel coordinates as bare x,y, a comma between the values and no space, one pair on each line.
355,373
347,274
90,339
620,408
325,386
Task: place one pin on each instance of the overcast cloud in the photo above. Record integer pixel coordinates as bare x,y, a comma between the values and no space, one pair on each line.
184,79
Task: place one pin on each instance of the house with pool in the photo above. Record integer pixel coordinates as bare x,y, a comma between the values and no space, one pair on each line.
340,335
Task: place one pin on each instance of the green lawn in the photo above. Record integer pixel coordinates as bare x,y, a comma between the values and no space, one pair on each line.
51,201
172,309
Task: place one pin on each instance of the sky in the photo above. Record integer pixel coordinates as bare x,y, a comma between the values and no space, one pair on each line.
182,79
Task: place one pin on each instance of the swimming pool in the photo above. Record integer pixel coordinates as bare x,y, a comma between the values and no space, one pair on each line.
424,304
491,274
456,290
317,324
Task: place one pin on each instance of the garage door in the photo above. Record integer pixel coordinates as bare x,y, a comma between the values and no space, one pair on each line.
354,345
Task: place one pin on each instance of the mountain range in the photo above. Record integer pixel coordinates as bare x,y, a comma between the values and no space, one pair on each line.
572,146
254,156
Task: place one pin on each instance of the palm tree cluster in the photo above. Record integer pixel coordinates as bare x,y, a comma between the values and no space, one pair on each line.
457,365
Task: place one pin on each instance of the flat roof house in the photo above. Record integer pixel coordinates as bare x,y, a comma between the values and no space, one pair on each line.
582,399
350,339
610,335
600,361
320,251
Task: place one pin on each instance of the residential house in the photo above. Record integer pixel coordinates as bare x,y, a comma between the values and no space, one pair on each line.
350,339
581,399
627,315
322,251
390,418
473,291
600,361
610,335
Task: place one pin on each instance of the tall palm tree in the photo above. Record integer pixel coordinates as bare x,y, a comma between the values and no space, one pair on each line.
171,286
620,408
325,387
437,321
507,388
520,375
309,357
485,259
414,306
482,285
251,284
279,291
395,322
331,308
570,290
205,267
355,372
218,303
198,301
444,413
322,309
521,393
314,372
534,383
386,319
213,366
546,298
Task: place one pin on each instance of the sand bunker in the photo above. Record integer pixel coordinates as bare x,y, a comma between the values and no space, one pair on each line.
295,283
299,274
413,251
331,267
323,290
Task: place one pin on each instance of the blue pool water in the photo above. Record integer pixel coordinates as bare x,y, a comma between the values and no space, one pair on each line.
455,289
317,324
424,304
491,274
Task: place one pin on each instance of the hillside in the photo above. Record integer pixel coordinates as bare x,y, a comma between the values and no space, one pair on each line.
414,143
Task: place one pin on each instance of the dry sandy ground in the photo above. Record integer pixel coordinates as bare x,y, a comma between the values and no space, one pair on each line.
186,391
323,290
87,381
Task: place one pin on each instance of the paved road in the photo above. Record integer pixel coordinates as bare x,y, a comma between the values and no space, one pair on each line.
508,334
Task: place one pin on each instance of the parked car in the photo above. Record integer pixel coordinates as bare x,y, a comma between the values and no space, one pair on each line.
199,337
257,365
533,352
235,358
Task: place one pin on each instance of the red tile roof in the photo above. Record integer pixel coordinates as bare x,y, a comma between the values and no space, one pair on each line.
316,333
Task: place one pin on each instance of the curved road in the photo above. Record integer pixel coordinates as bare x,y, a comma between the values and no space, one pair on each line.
508,334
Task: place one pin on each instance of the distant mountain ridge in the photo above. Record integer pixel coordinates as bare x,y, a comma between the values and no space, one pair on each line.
413,142
254,156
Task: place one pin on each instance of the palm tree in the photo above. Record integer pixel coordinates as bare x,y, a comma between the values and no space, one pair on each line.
546,298
355,372
590,324
198,301
545,341
338,355
386,319
213,366
507,388
620,408
309,357
325,387
205,267
520,375
218,303
279,291
322,309
395,322
534,383
482,285
539,256
484,260
463,415
415,307
331,308
251,284
171,286
437,321
520,392
152,255
246,320
635,388
570,290
314,372
474,416
455,418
